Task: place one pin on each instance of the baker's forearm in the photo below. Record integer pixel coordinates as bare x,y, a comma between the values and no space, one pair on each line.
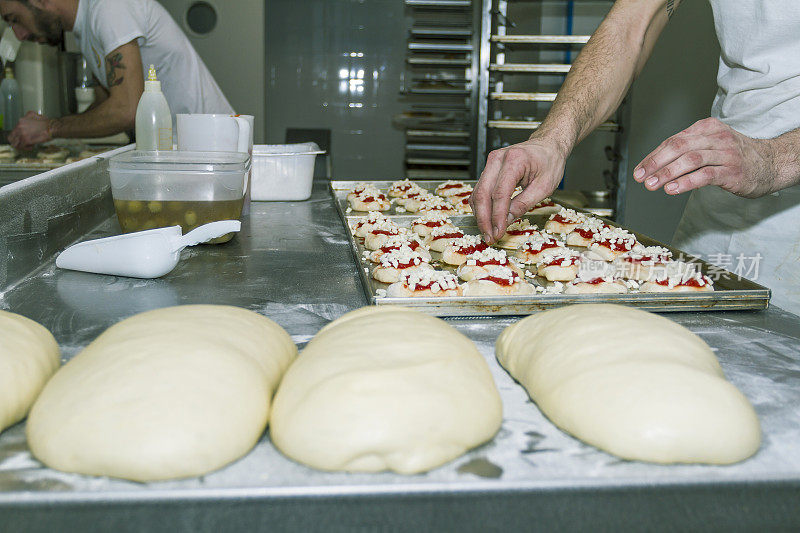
603,71
103,120
786,148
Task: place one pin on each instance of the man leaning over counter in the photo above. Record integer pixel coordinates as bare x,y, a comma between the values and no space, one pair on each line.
119,39
742,164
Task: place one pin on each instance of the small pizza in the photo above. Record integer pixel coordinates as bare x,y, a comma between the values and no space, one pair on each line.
393,263
516,233
52,153
456,253
363,225
380,233
559,264
413,202
479,263
564,221
498,281
412,195
461,204
425,284
451,187
600,285
696,282
442,237
435,204
610,243
399,188
582,234
643,263
361,188
533,248
545,207
423,225
395,242
370,199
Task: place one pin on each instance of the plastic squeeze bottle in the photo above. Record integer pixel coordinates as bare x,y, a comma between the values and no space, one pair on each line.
12,101
153,118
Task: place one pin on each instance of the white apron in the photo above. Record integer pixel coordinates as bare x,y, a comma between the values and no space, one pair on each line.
758,96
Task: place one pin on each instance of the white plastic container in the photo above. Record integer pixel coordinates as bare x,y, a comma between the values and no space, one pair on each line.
153,118
157,189
283,172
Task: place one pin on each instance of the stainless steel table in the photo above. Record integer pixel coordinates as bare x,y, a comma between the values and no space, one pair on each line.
291,263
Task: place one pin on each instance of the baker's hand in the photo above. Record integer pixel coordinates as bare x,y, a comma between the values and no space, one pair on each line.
537,165
31,130
710,153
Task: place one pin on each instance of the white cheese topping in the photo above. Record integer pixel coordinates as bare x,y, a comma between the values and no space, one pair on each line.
438,280
654,255
521,224
444,230
386,225
684,277
613,236
402,256
569,216
591,224
559,256
432,216
534,242
402,238
499,272
489,254
466,241
435,203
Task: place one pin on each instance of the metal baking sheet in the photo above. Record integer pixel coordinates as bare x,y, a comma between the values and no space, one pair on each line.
731,292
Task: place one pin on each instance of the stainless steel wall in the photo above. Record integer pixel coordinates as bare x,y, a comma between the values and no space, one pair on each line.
338,64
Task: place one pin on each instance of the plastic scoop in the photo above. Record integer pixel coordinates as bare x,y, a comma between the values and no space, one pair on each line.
144,254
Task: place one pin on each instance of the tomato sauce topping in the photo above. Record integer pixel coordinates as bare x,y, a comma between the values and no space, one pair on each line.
453,235
502,281
466,250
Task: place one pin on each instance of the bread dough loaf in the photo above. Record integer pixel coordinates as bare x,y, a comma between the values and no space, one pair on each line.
165,394
385,388
632,383
29,355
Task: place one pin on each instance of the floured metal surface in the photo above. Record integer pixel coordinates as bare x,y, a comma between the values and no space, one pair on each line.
292,263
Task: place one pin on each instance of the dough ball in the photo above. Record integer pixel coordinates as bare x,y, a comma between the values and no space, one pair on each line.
165,394
29,355
632,383
385,388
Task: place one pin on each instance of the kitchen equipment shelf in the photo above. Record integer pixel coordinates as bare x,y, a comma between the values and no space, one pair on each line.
441,76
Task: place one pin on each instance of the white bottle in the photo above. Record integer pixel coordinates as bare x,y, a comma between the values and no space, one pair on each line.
11,101
153,118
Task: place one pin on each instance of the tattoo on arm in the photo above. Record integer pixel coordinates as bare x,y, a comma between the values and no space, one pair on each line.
670,8
114,67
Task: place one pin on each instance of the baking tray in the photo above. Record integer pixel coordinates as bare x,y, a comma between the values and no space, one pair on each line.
731,292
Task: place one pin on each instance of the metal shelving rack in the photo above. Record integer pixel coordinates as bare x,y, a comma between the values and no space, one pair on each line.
493,120
441,88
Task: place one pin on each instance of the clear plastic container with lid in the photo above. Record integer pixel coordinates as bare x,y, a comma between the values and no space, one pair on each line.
155,189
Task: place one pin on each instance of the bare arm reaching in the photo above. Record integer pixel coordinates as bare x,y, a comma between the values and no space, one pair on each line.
593,89
111,115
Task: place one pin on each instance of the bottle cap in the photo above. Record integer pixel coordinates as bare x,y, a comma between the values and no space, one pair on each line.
152,83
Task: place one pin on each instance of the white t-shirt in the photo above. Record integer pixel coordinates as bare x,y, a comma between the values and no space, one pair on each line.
758,96
101,26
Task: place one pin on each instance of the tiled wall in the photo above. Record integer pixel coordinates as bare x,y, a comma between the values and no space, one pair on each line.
339,65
